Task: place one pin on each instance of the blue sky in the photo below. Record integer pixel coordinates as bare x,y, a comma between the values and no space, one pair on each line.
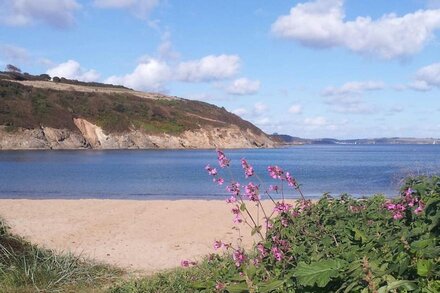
325,68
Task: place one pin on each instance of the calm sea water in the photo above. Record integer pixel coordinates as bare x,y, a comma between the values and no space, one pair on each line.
360,170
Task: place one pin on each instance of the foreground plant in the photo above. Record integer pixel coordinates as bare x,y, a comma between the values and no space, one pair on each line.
336,245
25,267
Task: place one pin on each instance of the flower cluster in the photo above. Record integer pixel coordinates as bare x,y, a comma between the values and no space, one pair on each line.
237,215
290,180
213,172
248,169
407,203
282,207
239,257
252,191
234,188
186,263
275,172
222,159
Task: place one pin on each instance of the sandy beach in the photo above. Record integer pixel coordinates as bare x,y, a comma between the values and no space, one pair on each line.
137,235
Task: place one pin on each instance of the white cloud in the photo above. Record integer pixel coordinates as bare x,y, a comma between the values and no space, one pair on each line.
260,108
240,111
165,49
427,78
209,68
243,86
349,104
58,13
295,109
73,70
317,121
152,74
322,24
353,87
348,97
140,8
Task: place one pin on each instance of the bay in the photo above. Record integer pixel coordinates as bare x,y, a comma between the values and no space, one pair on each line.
360,170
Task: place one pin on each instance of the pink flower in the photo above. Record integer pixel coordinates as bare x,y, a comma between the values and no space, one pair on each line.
252,191
268,223
277,253
219,181
211,171
397,216
284,222
290,180
218,244
222,159
420,208
237,219
234,188
273,188
231,199
400,207
239,257
275,172
248,169
261,250
390,206
304,204
220,286
281,207
186,263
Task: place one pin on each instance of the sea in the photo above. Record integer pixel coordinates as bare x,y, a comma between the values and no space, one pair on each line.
358,170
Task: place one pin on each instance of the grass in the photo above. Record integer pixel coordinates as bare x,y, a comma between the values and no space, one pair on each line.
28,107
25,267
192,279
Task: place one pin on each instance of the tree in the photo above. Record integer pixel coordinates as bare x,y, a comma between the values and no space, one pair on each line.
12,68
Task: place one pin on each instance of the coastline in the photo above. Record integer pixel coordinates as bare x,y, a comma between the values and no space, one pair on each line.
146,236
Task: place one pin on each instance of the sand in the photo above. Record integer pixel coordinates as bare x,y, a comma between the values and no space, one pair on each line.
137,235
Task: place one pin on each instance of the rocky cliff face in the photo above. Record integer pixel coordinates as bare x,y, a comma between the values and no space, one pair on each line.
48,115
90,136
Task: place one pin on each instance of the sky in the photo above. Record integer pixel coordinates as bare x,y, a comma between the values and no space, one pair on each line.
323,68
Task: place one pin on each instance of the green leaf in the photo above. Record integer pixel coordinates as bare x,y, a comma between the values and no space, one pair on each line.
319,273
424,267
420,244
271,286
359,235
408,285
237,288
243,207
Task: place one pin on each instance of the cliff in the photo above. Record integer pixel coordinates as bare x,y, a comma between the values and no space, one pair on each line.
41,114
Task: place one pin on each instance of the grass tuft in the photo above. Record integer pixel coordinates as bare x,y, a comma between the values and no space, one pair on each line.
25,267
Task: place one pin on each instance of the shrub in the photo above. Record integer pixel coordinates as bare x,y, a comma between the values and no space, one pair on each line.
337,244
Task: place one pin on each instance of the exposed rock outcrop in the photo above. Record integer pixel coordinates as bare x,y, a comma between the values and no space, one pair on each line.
37,114
93,137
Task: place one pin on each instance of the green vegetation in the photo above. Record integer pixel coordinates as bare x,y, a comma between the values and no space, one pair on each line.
30,107
27,268
337,245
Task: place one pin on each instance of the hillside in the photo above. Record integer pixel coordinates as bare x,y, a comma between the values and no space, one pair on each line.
36,113
284,139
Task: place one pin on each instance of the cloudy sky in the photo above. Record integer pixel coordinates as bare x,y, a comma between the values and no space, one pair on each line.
324,68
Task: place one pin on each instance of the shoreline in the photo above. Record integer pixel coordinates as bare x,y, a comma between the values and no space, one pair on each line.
138,235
